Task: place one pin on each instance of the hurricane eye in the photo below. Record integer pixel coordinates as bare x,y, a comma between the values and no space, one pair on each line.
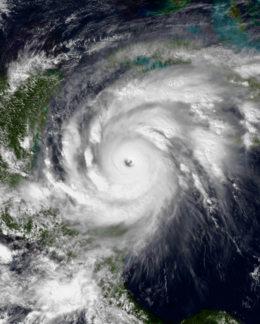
128,163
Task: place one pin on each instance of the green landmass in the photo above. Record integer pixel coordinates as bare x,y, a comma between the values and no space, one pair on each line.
253,10
235,14
238,139
147,64
256,144
48,227
211,317
229,26
45,226
23,115
254,86
109,272
64,243
149,56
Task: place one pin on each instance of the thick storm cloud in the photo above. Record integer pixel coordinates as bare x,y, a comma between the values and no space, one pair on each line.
155,156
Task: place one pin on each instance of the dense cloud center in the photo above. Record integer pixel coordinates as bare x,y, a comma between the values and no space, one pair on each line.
150,150
141,127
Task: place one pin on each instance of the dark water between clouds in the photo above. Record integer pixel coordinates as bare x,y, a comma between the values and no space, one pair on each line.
200,266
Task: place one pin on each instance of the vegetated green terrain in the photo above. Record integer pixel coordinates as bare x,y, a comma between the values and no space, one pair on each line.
149,56
256,144
66,244
109,273
46,226
235,14
253,9
211,317
23,115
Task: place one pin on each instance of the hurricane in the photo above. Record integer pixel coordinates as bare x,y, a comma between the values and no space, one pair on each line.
134,197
